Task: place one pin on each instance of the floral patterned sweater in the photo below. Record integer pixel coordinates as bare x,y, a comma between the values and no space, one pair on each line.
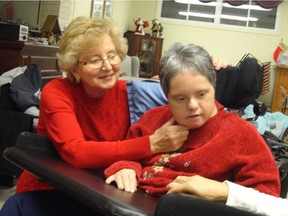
226,148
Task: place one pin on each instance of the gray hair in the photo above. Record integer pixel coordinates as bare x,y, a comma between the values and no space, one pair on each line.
180,58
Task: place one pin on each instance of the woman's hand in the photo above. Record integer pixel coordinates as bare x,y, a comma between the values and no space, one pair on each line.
169,137
199,187
125,180
218,64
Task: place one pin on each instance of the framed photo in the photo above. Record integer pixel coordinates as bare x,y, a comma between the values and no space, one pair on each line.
101,8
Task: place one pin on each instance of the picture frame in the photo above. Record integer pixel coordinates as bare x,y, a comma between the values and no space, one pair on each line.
101,8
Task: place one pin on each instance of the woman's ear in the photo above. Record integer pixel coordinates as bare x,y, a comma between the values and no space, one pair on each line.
75,73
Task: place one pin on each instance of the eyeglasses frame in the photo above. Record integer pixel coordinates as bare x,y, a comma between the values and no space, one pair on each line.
103,60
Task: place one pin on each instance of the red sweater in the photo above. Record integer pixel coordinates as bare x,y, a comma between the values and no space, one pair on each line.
86,132
225,148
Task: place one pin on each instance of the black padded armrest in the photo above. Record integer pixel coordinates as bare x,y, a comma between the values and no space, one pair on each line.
36,154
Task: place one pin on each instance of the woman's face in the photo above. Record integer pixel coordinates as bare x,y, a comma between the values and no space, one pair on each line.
192,99
97,81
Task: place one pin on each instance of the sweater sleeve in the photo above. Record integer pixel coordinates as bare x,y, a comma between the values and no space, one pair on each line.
251,200
144,126
88,132
256,166
117,166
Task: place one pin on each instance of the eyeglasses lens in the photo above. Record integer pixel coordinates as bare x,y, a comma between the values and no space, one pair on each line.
113,60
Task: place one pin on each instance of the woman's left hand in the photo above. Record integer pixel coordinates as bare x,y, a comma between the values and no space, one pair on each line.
125,180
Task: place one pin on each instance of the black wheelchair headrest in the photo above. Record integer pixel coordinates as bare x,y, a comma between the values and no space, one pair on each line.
240,85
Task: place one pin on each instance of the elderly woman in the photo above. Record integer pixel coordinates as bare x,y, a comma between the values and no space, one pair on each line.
86,115
220,146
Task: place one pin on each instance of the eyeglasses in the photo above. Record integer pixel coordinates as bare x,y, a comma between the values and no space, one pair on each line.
98,63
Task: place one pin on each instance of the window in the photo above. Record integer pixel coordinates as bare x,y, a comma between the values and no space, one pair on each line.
249,14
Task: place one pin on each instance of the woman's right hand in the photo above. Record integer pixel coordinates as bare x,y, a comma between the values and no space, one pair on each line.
169,137
125,180
199,187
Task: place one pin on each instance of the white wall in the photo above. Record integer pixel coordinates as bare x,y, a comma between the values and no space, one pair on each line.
121,13
81,8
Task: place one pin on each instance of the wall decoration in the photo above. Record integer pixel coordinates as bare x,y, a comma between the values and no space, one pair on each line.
101,8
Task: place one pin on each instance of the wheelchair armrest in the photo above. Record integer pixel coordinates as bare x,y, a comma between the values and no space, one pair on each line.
178,205
36,154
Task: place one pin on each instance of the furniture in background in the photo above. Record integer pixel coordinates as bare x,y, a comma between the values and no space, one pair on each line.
281,78
266,67
130,67
18,53
284,98
148,49
10,55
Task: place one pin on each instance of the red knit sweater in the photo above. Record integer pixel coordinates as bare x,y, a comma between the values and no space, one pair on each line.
225,148
86,132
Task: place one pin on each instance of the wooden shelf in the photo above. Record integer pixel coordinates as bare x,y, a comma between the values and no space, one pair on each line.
18,53
10,54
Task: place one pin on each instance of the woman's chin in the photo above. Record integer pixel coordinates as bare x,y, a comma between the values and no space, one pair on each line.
192,125
109,81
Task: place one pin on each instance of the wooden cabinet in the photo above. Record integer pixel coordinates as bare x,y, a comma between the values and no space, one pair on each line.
281,78
10,55
18,53
148,49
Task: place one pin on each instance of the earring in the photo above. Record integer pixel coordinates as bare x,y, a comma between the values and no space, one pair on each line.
78,81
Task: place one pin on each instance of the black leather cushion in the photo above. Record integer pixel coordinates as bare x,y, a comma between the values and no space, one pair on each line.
36,154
